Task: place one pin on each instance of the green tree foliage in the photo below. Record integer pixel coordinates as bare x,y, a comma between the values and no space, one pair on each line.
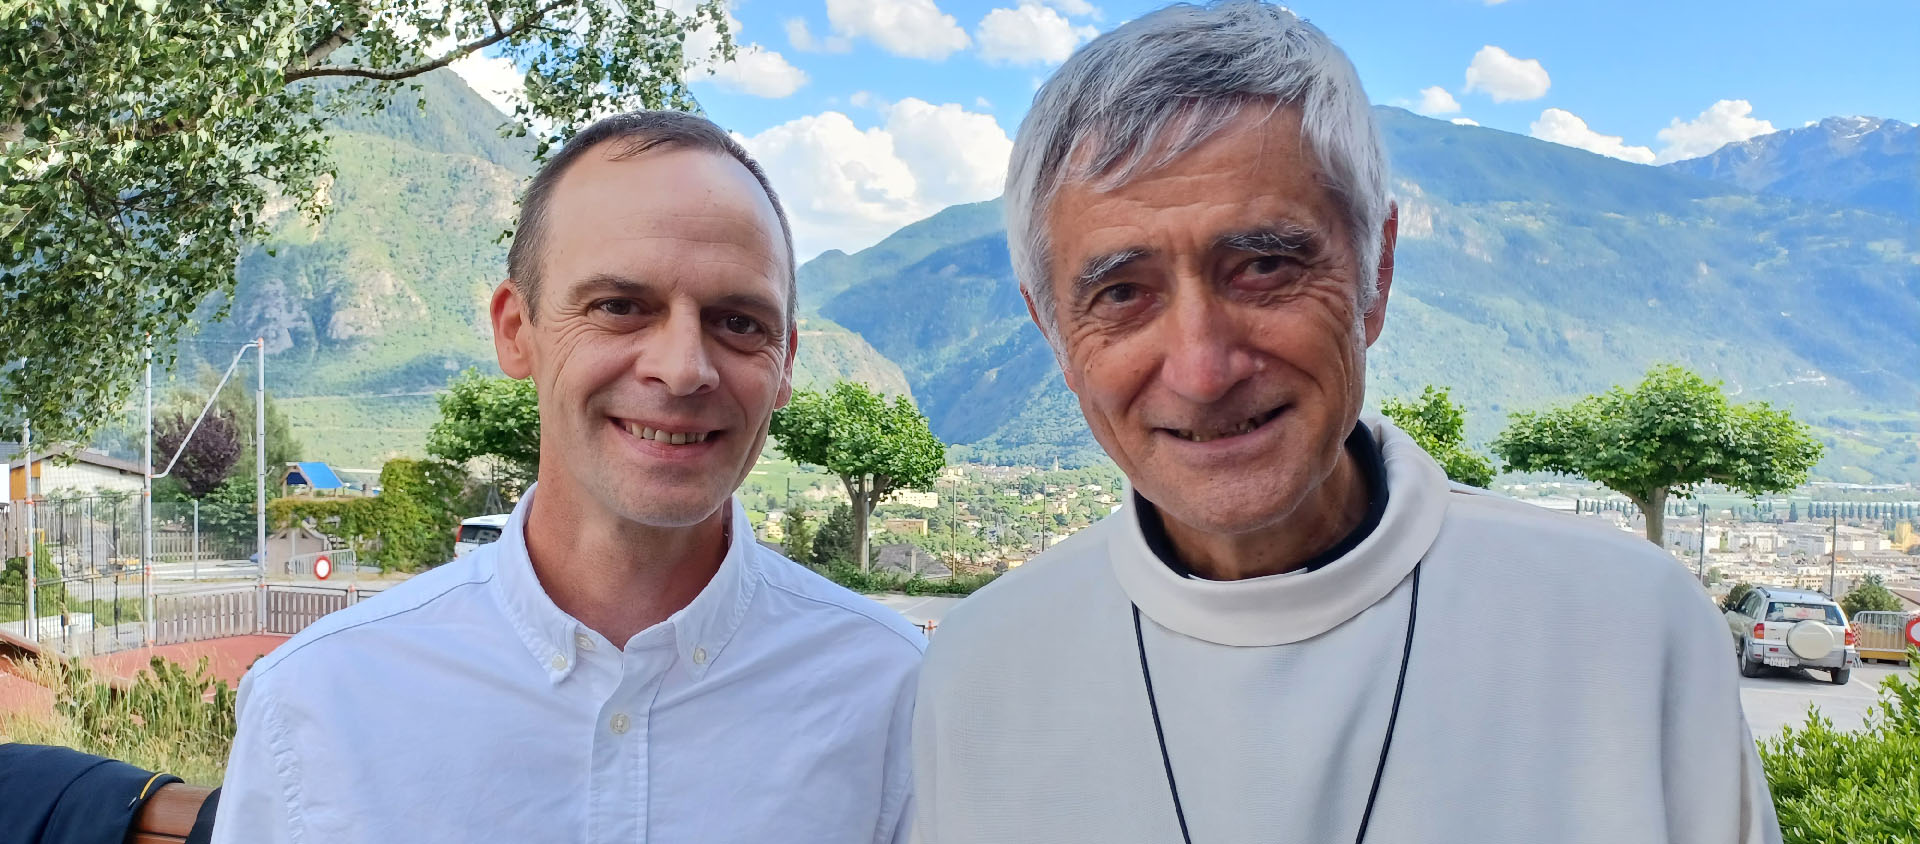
1666,437
492,418
407,527
873,445
229,510
236,402
144,142
1872,595
1840,787
799,536
1735,595
1440,428
833,544
208,456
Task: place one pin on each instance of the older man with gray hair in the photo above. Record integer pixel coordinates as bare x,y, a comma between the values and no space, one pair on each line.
1295,630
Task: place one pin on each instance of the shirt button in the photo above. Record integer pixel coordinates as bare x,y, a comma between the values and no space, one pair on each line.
583,641
699,656
619,723
559,663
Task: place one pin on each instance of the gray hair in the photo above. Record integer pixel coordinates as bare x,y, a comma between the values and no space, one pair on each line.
634,133
1144,94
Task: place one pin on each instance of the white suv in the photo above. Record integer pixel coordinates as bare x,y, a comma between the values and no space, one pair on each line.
1789,628
478,531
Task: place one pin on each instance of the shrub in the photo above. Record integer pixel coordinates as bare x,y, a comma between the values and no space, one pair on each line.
407,527
1835,787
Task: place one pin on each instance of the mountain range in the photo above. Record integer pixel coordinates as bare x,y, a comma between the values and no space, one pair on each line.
1528,273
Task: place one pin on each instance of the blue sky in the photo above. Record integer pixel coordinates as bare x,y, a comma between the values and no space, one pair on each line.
873,113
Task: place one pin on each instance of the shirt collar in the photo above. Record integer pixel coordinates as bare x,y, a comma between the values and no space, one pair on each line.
1293,607
700,630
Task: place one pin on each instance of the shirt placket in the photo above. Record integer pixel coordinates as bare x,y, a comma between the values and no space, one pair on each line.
622,739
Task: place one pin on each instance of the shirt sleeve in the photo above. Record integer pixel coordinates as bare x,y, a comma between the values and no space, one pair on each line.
1716,790
257,798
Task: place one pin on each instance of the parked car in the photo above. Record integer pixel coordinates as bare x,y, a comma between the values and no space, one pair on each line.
478,531
1791,628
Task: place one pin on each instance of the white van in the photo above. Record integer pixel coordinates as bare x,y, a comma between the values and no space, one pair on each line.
478,531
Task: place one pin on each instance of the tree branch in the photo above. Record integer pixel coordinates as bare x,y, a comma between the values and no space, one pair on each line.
457,53
323,48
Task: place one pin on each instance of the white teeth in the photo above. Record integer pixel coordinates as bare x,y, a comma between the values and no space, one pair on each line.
1237,430
667,437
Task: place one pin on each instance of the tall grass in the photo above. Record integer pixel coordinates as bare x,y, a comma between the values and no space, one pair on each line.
167,720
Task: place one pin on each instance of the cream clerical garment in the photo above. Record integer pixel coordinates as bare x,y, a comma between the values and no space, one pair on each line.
1566,683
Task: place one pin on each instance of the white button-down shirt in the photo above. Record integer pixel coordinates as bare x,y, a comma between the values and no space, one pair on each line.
463,705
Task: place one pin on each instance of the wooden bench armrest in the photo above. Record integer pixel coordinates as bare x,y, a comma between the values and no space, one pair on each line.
167,817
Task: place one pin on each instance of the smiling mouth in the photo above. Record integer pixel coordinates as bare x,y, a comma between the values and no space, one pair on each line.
1246,426
665,437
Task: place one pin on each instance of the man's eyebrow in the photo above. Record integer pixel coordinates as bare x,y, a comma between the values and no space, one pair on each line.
1274,239
760,305
600,283
1099,267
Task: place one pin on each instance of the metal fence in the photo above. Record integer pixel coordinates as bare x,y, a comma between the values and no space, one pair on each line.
235,611
198,616
1883,635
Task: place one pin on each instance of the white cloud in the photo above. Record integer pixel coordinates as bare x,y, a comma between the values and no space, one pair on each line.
982,103
1029,34
1075,8
1465,121
755,70
761,72
912,28
802,39
1505,78
864,99
1436,100
495,78
847,187
1565,127
1724,122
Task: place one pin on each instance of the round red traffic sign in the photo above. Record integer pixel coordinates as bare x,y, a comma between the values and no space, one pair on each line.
322,567
1913,632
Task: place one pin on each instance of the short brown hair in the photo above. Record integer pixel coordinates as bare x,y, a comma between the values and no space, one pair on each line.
636,133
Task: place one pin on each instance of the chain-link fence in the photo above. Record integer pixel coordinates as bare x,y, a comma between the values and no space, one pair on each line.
91,592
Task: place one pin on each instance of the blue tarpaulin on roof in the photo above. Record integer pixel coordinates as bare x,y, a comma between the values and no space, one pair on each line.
315,475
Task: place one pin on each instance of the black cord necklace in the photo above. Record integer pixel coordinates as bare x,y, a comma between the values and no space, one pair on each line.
1386,744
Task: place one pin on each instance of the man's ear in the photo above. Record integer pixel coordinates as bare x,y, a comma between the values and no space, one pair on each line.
1047,335
512,341
1376,317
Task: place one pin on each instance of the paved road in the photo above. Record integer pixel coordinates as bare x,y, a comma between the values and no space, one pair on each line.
1782,696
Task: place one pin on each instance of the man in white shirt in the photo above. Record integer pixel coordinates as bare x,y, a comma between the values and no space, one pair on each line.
1295,630
626,663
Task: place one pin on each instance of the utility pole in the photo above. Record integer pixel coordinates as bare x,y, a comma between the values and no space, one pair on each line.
1833,559
260,482
1703,544
32,557
146,510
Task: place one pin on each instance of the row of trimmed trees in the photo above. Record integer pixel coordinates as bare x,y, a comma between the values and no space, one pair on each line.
1662,439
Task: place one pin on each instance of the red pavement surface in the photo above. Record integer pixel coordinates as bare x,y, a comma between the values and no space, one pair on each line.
227,658
18,694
